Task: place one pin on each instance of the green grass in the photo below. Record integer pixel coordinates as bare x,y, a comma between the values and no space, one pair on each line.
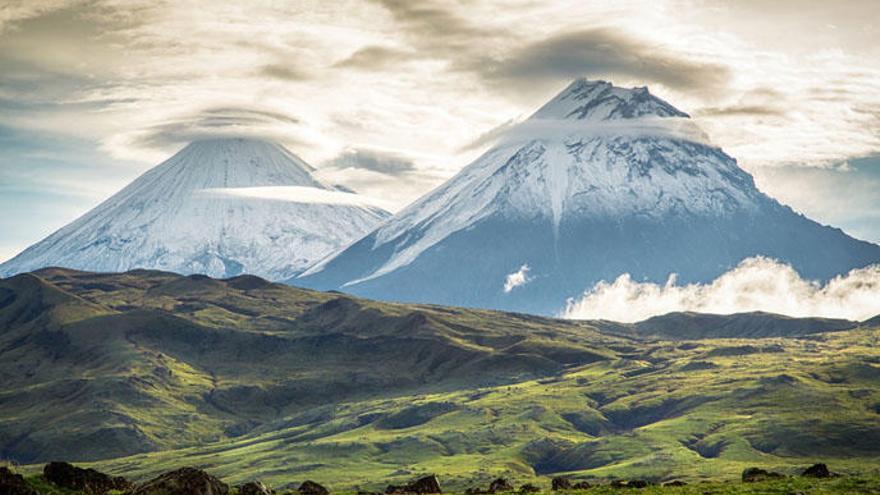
283,385
781,411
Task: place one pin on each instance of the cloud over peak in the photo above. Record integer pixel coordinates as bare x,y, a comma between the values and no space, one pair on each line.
603,51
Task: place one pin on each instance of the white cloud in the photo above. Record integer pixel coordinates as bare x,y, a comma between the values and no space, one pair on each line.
556,129
756,284
517,278
296,194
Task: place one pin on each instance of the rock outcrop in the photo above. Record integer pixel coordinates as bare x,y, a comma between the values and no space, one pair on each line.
184,481
90,481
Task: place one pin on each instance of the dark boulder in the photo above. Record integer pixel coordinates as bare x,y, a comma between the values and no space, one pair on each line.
675,483
184,481
560,484
581,485
428,484
255,488
817,471
630,484
90,481
529,488
751,475
14,484
309,487
500,485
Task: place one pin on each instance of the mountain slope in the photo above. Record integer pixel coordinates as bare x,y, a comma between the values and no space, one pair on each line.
150,360
686,326
599,182
184,216
251,379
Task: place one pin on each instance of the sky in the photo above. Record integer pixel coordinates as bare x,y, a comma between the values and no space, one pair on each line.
392,97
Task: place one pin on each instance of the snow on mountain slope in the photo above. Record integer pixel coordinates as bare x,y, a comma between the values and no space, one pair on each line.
598,182
200,212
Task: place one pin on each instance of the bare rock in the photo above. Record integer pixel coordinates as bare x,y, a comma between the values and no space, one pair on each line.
184,481
753,474
255,488
500,485
309,487
14,484
90,481
817,471
560,483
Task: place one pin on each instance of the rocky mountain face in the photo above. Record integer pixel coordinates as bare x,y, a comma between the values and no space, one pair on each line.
599,182
220,207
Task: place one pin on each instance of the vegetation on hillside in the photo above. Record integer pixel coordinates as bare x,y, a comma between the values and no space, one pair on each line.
248,380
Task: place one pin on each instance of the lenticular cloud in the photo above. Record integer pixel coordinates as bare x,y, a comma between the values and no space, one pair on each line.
756,284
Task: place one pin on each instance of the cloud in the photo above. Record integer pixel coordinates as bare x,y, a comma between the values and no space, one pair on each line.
759,102
377,161
602,52
516,279
296,194
374,57
20,10
217,122
429,20
557,129
756,284
284,72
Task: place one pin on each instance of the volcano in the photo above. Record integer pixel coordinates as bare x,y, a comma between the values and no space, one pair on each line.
220,207
600,181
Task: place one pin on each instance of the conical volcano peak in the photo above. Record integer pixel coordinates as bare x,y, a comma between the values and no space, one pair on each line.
220,207
237,162
584,99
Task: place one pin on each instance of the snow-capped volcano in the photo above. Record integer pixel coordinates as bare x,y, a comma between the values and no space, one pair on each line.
600,181
219,207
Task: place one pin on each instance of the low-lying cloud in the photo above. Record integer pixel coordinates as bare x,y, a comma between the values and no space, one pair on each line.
516,279
559,129
296,194
756,284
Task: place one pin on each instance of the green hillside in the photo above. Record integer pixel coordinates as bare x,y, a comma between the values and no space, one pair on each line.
146,371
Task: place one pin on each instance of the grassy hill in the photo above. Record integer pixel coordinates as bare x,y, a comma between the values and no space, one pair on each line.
147,371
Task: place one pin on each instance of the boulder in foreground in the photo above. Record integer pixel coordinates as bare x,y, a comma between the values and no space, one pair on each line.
184,481
255,488
428,484
90,481
309,487
753,474
560,483
817,471
14,484
500,485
